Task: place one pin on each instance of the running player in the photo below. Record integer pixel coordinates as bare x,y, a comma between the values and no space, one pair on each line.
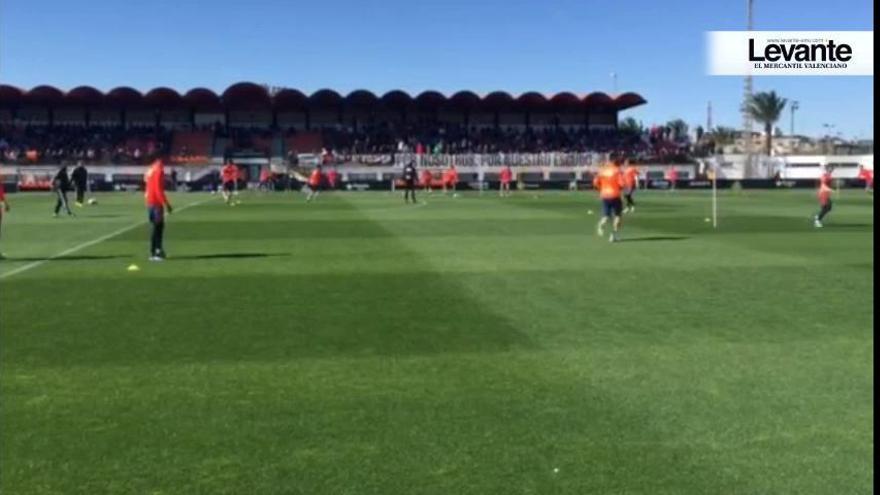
4,207
672,177
80,178
229,177
265,179
826,178
824,196
332,178
867,176
609,182
630,185
410,178
506,176
157,203
427,181
314,183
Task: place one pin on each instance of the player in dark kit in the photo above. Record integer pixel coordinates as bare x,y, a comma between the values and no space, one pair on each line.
80,178
410,181
61,184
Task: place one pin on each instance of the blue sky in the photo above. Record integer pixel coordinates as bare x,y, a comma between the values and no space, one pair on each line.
656,48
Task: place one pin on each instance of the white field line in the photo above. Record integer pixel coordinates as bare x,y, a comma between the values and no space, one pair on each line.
88,244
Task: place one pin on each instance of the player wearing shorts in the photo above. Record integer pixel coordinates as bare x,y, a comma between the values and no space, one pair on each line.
506,176
609,183
427,180
4,208
314,183
630,185
157,204
672,177
824,197
229,177
265,179
450,180
867,176
332,178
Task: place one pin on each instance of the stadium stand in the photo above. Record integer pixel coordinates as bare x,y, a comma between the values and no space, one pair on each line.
46,125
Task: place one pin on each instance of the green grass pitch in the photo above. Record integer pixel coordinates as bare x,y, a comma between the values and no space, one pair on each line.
466,346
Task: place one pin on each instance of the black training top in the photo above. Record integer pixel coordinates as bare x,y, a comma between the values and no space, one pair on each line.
61,180
409,173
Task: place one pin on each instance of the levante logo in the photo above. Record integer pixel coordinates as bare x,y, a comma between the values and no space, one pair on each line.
790,53
801,54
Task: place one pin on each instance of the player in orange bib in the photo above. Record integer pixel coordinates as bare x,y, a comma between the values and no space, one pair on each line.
672,178
427,180
265,179
506,176
866,175
630,185
229,177
316,179
824,197
450,180
4,207
609,182
157,203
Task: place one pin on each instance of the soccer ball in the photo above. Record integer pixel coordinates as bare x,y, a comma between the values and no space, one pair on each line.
92,201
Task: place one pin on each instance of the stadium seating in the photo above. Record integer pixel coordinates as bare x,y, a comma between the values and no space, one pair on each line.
191,147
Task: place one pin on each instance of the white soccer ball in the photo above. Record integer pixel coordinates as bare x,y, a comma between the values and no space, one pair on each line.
92,201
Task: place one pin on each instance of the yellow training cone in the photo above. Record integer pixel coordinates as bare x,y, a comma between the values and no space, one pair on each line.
133,268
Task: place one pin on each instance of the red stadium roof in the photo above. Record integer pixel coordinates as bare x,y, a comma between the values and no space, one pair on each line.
251,96
86,96
202,99
10,96
124,97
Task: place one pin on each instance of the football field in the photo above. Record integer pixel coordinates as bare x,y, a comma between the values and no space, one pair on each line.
470,345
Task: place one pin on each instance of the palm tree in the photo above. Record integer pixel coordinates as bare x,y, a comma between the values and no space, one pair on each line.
766,108
724,135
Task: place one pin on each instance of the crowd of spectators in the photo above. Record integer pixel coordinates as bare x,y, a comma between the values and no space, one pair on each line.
373,144
62,144
656,144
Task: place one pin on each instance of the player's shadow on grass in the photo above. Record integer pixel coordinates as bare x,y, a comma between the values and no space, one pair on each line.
655,238
70,258
855,226
230,256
